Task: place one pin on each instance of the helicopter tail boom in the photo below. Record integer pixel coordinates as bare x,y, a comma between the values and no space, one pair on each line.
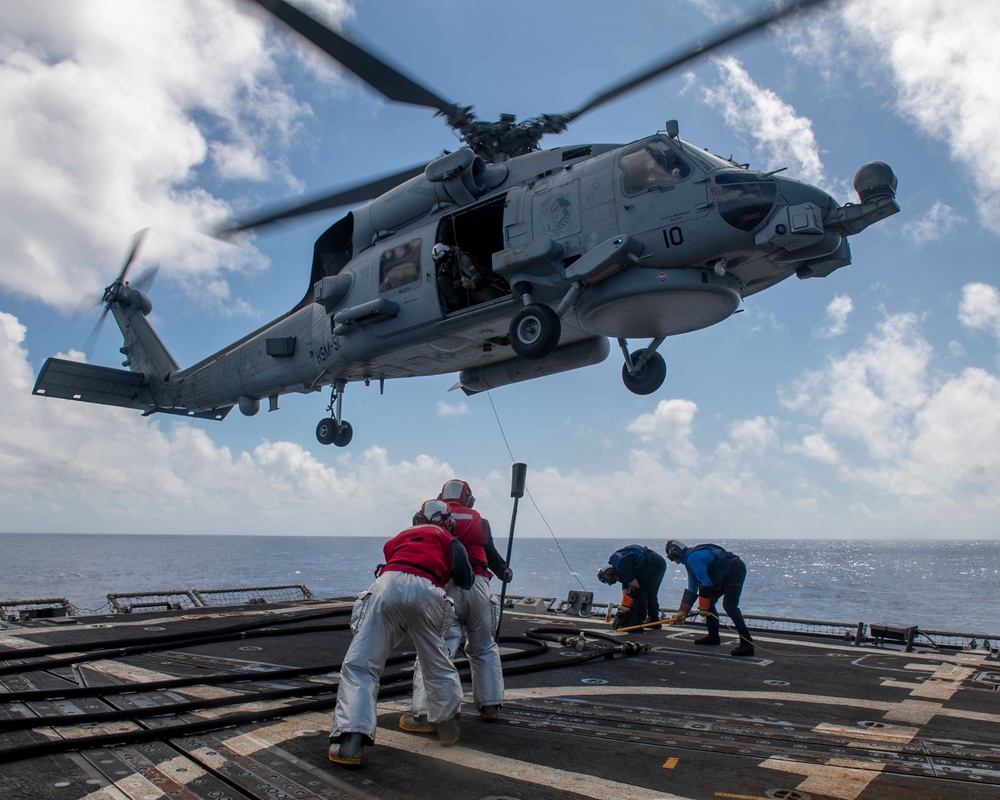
145,386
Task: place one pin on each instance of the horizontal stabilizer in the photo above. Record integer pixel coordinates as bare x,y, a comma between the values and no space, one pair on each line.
90,383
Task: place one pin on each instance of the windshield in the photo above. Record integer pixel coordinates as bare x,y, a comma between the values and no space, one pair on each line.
652,164
708,160
744,198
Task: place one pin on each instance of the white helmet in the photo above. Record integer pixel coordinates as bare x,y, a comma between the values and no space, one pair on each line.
440,252
675,550
457,491
435,512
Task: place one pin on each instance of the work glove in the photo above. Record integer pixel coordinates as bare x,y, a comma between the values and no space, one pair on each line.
468,283
678,618
508,575
624,609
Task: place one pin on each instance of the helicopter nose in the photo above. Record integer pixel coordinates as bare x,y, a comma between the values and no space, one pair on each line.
797,219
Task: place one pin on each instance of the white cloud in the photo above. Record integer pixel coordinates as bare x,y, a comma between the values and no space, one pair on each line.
954,446
979,308
870,394
669,427
754,435
935,225
114,109
452,409
784,138
944,85
932,454
837,312
816,447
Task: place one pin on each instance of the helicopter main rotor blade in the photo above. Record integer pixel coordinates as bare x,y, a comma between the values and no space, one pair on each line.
374,71
343,197
696,50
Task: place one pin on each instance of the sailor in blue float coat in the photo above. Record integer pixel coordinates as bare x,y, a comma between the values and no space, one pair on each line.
640,571
713,572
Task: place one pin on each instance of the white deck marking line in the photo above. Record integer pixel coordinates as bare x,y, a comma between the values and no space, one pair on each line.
536,774
570,692
889,734
842,778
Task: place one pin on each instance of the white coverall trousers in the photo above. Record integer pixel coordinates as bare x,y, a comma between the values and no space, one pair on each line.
396,605
477,614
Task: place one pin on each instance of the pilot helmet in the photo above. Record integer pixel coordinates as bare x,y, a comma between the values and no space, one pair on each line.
675,550
607,574
440,252
457,491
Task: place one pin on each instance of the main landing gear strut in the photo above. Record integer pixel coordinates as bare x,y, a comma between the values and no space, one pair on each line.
335,429
645,369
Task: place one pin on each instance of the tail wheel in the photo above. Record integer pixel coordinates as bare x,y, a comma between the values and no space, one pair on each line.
535,331
649,377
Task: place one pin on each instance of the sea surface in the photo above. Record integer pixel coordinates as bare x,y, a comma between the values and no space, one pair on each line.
937,585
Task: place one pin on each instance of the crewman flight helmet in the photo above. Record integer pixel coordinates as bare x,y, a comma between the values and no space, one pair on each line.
440,252
607,574
435,512
456,491
675,550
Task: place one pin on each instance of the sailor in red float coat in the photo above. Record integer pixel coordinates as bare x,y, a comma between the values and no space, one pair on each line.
477,612
407,598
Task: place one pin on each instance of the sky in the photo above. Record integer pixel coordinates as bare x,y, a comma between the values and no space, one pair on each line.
861,405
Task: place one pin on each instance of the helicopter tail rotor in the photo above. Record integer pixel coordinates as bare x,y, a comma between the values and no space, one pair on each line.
113,291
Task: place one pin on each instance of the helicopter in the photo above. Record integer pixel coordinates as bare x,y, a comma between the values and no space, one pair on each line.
500,261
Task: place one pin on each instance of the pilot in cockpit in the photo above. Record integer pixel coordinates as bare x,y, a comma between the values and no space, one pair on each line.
652,164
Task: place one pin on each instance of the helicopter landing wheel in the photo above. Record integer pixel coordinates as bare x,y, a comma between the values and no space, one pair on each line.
534,331
326,431
329,432
649,378
344,435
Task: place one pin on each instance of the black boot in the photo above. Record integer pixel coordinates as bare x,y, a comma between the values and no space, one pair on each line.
744,648
348,752
447,730
708,639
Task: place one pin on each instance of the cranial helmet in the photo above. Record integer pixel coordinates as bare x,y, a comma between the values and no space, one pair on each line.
675,550
607,574
457,491
439,252
435,512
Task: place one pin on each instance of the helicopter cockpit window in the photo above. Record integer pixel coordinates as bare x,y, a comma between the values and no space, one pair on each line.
399,266
652,164
744,198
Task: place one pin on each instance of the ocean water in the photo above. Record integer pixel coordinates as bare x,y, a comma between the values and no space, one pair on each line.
938,585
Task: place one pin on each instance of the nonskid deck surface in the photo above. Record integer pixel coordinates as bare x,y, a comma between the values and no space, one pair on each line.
805,717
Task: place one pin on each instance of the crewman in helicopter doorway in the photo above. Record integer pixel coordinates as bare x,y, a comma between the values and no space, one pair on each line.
640,571
477,614
407,598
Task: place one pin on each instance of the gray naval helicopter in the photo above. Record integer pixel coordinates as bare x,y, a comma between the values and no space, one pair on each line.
499,261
